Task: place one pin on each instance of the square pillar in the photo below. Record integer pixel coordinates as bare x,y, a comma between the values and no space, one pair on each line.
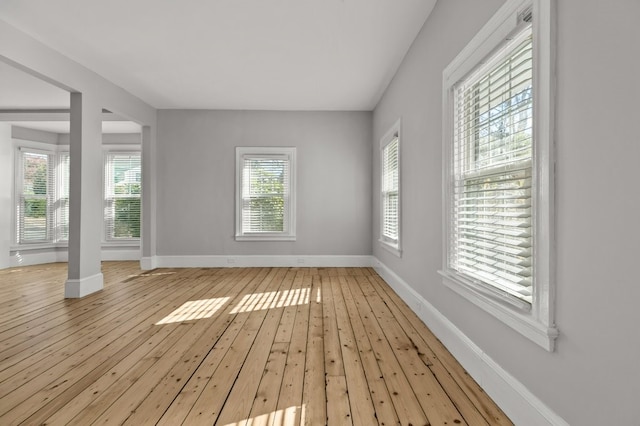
148,219
85,197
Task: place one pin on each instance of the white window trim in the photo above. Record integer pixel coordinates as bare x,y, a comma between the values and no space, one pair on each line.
62,150
538,322
47,148
106,151
38,147
290,215
394,247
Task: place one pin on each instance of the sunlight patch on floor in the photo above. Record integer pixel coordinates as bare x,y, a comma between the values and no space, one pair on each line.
273,299
206,308
195,309
153,274
289,416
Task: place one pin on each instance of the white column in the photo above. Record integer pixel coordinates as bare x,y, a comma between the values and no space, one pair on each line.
85,197
148,241
6,181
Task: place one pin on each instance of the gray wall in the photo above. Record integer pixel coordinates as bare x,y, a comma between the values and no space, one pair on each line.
593,377
6,191
196,180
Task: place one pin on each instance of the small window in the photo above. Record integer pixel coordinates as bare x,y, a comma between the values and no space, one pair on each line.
390,190
122,188
62,201
265,193
498,120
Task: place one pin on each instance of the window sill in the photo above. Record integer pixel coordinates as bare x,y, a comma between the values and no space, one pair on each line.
391,248
521,320
265,237
123,243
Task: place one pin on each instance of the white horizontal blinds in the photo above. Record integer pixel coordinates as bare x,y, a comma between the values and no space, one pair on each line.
61,205
34,210
390,193
491,215
122,195
265,193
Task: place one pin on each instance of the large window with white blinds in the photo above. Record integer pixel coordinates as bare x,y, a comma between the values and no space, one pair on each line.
122,189
492,172
36,192
498,194
265,193
390,190
42,196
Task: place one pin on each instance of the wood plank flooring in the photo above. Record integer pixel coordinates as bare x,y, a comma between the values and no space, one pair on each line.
236,346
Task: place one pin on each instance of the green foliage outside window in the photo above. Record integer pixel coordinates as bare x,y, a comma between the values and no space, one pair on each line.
35,208
265,205
127,218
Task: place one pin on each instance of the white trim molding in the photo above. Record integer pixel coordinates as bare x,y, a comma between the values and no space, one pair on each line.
242,261
534,320
148,263
520,321
393,246
27,256
518,402
77,288
288,156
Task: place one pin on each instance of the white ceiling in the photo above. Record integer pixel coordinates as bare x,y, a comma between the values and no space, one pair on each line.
22,93
232,54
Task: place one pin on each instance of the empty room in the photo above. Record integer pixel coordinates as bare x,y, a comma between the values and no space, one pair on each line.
303,212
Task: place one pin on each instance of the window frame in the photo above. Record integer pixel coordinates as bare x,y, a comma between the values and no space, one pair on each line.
106,238
394,246
535,321
54,222
49,197
289,232
62,193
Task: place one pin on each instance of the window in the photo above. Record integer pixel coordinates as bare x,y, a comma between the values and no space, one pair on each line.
122,185
42,195
390,190
492,176
62,200
498,170
265,193
35,215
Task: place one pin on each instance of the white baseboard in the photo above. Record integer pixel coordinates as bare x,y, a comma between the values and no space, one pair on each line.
522,406
25,258
82,287
256,261
148,263
41,256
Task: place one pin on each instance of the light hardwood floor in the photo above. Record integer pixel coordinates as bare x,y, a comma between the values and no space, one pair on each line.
255,346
